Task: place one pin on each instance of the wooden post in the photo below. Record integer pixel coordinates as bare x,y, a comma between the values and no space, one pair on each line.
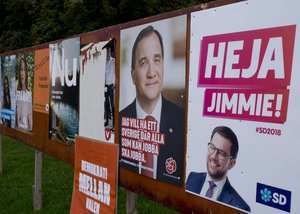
1,166
131,202
37,188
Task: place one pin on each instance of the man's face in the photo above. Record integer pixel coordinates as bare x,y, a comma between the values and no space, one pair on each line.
216,167
148,72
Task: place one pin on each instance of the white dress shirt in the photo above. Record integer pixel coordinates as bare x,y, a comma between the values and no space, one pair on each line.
156,114
110,71
217,190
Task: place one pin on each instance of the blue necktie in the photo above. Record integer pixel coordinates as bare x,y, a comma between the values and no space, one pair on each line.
210,190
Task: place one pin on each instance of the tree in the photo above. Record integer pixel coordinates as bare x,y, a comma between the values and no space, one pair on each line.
15,19
24,23
48,24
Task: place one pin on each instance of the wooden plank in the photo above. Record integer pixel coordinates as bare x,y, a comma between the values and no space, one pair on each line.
1,165
131,199
37,188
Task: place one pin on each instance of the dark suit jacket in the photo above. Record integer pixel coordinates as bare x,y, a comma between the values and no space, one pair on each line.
172,124
228,194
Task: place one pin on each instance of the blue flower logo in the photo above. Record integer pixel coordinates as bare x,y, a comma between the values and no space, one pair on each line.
265,195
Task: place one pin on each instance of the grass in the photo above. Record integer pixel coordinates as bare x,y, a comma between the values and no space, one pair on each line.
17,180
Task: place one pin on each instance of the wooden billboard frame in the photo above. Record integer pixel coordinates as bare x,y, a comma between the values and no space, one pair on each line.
169,195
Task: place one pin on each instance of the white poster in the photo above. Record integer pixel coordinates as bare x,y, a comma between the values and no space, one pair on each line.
92,79
244,91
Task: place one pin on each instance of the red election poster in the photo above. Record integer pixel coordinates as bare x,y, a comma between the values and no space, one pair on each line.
95,177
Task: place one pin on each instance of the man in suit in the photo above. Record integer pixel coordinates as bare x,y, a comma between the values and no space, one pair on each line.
221,157
147,72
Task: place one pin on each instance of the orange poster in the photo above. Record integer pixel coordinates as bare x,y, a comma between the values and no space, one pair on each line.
95,177
41,81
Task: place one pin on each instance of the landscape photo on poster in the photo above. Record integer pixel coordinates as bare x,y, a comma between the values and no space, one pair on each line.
8,79
64,94
243,90
24,89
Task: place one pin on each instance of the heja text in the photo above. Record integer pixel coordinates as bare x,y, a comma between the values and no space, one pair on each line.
247,74
257,57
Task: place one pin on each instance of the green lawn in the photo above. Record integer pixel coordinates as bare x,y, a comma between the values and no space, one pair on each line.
17,180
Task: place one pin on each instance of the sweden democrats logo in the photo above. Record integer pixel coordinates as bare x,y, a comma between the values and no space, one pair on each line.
273,197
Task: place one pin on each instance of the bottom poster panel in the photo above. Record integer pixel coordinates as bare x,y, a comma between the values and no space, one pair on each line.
95,177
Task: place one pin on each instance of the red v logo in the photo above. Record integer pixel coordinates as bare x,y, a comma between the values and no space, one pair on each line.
107,133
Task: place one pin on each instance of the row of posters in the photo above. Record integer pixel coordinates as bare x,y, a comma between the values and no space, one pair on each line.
241,148
53,76
85,71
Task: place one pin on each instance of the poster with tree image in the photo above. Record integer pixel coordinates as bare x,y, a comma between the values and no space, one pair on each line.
64,94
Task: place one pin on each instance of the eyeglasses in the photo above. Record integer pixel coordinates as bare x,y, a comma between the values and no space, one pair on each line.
220,153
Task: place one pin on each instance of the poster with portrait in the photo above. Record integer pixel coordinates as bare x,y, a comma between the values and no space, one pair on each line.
243,106
93,122
24,88
8,79
64,94
95,177
152,99
41,81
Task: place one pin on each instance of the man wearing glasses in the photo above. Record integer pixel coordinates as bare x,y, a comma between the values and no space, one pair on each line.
221,157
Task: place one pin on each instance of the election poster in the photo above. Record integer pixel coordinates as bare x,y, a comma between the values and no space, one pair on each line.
95,177
24,89
8,79
243,106
41,81
93,122
64,94
152,89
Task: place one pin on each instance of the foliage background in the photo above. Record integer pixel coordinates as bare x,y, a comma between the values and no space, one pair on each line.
8,64
25,23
